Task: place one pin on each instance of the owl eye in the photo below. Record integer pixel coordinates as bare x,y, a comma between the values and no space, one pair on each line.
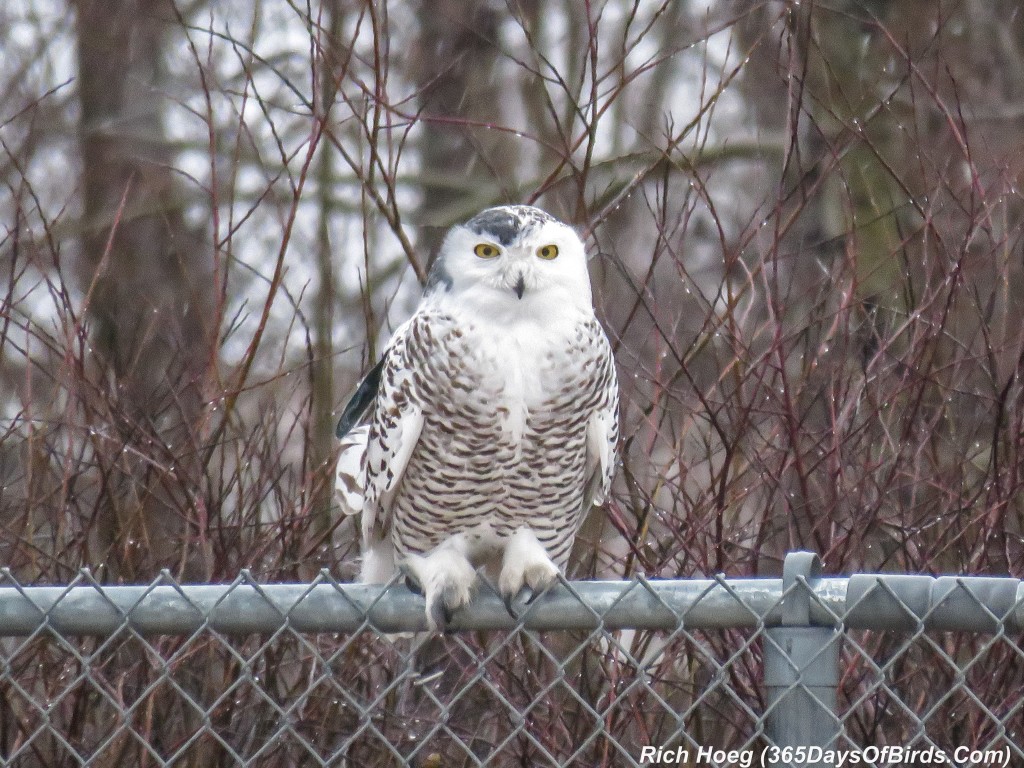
486,250
547,251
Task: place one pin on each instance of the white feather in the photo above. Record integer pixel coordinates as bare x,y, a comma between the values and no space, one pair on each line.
378,565
392,453
601,437
350,482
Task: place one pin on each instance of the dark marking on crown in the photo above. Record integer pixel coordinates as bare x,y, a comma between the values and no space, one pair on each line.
507,223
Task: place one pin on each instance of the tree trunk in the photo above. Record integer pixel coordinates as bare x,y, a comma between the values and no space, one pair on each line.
322,371
464,170
147,279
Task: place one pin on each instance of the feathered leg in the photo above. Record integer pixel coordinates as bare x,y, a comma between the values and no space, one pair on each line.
525,563
446,578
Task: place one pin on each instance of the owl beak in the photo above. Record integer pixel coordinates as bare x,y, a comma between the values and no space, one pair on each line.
520,287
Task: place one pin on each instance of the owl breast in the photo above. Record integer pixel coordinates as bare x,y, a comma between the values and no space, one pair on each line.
504,433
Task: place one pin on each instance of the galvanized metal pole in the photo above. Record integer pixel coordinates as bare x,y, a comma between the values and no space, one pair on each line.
801,674
884,602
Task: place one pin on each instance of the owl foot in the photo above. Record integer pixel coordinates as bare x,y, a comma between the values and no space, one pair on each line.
525,564
445,579
411,583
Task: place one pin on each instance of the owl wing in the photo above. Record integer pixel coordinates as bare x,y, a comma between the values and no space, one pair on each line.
394,432
602,426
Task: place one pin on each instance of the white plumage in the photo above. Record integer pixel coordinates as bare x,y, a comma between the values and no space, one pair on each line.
493,417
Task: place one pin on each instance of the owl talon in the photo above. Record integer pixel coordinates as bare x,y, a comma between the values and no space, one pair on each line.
526,566
411,582
413,586
446,580
507,600
439,616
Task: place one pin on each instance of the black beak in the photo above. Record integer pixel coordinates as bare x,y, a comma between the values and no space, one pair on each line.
520,286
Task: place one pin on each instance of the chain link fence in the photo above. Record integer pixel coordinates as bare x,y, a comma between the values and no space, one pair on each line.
803,670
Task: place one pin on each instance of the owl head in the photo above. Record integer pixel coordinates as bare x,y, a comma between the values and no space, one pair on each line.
512,259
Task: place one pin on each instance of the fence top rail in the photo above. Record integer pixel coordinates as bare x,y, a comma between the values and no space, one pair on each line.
895,602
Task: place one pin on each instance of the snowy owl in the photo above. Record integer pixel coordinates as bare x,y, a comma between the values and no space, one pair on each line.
493,417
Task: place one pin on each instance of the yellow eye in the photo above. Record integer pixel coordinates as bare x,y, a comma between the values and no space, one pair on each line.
547,251
486,250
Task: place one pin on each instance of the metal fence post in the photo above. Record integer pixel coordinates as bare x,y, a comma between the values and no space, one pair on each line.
801,674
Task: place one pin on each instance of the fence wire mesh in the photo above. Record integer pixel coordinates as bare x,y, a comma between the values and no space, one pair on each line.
591,674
